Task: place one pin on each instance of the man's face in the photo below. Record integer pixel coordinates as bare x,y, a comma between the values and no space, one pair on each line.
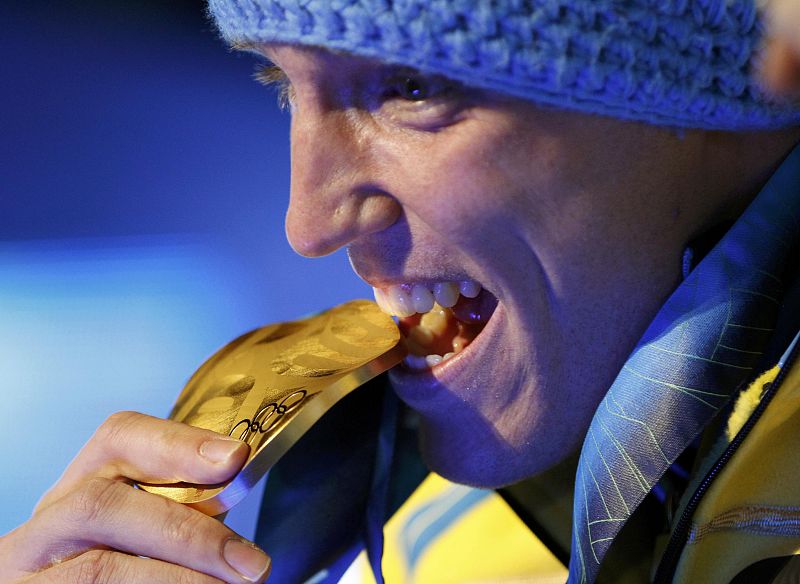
572,227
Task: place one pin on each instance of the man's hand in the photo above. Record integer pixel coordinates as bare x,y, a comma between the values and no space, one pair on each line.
92,526
779,68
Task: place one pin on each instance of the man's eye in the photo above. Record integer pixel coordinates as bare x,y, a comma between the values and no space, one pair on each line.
413,89
417,100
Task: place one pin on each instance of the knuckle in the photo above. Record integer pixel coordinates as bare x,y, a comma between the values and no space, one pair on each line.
183,526
93,567
176,438
94,501
116,426
187,577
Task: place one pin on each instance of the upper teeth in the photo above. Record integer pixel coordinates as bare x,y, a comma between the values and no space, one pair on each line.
407,299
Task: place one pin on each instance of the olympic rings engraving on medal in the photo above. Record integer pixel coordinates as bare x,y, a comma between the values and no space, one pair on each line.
269,416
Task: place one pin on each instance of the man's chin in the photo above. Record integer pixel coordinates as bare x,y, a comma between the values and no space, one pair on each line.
481,459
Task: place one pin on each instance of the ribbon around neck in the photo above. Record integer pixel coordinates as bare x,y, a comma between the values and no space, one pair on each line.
703,343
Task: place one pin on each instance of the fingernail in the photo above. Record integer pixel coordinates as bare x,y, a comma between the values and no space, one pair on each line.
219,451
249,561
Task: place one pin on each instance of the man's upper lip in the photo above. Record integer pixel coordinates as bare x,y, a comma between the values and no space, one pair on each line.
387,282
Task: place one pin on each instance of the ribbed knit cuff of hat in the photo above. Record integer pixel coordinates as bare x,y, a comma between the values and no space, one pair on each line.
682,63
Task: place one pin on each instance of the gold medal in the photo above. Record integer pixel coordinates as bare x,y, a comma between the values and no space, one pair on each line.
269,386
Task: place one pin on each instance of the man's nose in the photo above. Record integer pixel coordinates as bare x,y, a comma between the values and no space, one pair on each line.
336,191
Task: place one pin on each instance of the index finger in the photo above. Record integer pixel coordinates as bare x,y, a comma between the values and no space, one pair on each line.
131,446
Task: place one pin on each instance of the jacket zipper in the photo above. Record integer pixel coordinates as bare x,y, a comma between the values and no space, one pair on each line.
669,561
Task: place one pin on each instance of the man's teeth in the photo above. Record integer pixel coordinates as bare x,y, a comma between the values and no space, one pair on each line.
446,294
400,301
383,302
434,331
434,321
406,300
421,298
422,363
469,288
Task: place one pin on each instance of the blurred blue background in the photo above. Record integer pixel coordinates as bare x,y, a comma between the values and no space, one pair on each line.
143,181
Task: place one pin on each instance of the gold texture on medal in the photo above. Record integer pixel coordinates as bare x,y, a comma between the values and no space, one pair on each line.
270,385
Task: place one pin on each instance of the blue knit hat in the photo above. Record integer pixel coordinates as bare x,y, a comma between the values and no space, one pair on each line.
684,63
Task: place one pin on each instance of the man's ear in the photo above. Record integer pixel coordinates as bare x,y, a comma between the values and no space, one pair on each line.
779,69
778,65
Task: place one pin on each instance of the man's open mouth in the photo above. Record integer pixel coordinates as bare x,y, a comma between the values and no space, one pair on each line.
439,320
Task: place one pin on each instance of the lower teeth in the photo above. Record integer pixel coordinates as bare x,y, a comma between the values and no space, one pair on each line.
420,363
433,360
